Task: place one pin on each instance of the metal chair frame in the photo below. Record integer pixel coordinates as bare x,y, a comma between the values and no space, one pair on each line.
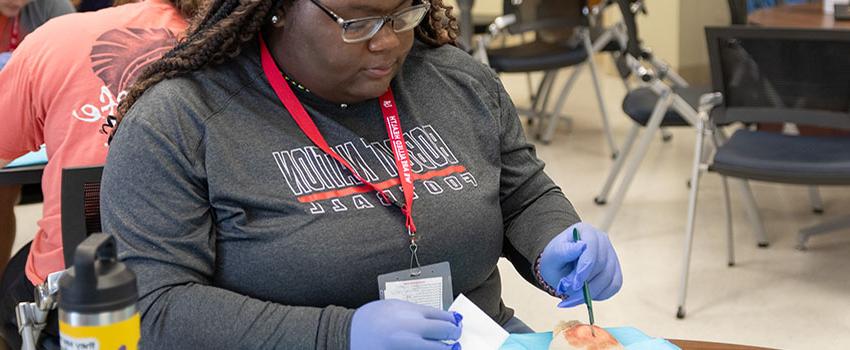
540,99
657,75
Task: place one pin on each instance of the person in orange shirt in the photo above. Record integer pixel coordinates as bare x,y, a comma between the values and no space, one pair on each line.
58,89
17,19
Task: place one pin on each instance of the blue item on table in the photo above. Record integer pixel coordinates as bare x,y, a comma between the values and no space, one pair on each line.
32,158
630,338
528,341
4,57
566,265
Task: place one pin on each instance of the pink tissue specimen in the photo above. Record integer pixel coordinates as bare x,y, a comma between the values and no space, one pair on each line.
574,335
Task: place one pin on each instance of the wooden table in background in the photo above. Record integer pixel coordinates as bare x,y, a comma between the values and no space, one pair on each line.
699,345
796,16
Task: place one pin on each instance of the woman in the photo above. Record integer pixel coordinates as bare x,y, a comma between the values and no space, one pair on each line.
256,182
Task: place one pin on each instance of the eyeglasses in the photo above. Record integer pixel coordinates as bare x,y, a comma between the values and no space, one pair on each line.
362,29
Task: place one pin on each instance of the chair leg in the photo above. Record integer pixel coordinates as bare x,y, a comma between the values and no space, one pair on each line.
543,91
666,135
749,200
661,107
826,227
730,238
689,226
602,198
606,126
753,213
562,98
542,100
817,202
535,112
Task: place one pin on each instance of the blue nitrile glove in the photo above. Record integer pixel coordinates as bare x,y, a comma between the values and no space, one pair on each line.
395,324
4,57
565,265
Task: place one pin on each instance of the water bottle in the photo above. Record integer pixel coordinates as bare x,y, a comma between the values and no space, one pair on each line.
97,300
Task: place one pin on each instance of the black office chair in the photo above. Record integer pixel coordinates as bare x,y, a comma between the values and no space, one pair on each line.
561,40
764,75
80,218
738,12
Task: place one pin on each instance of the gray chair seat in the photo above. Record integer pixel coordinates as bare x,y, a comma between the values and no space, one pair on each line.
639,103
774,157
535,56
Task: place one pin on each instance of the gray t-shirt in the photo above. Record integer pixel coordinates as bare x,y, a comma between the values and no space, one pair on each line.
246,236
39,11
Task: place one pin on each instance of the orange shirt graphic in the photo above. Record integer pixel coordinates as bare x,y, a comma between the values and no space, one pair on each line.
59,87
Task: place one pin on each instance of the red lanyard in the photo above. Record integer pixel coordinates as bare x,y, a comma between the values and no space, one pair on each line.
390,112
15,35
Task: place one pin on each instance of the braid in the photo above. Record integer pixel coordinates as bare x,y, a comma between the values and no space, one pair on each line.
221,29
441,26
217,35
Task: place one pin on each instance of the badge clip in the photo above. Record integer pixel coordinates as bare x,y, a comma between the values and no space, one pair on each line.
415,267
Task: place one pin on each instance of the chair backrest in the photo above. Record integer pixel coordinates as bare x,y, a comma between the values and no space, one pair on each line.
799,76
545,15
80,207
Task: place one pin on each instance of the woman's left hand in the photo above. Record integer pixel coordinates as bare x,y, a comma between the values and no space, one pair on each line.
565,265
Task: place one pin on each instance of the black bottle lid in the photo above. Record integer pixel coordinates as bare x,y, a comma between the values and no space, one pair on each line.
97,282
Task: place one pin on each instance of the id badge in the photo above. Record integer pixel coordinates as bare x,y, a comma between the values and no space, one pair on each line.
432,287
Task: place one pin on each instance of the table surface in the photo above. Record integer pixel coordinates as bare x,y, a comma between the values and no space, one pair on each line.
21,175
809,15
700,345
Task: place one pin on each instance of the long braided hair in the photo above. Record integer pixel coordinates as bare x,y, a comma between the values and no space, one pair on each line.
222,28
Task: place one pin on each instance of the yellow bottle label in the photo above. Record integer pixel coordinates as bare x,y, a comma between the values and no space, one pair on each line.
123,335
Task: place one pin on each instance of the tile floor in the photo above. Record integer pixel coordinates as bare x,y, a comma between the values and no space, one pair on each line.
777,297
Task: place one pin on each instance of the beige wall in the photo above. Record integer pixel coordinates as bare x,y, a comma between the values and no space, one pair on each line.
482,7
660,29
695,15
675,31
489,7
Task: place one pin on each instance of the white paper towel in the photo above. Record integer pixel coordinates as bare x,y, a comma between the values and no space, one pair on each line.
480,332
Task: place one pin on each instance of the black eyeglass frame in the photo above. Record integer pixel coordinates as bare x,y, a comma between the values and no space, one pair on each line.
345,23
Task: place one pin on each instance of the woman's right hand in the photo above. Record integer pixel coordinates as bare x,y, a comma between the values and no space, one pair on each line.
395,324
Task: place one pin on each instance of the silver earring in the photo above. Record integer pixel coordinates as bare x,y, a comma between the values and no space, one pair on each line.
275,19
